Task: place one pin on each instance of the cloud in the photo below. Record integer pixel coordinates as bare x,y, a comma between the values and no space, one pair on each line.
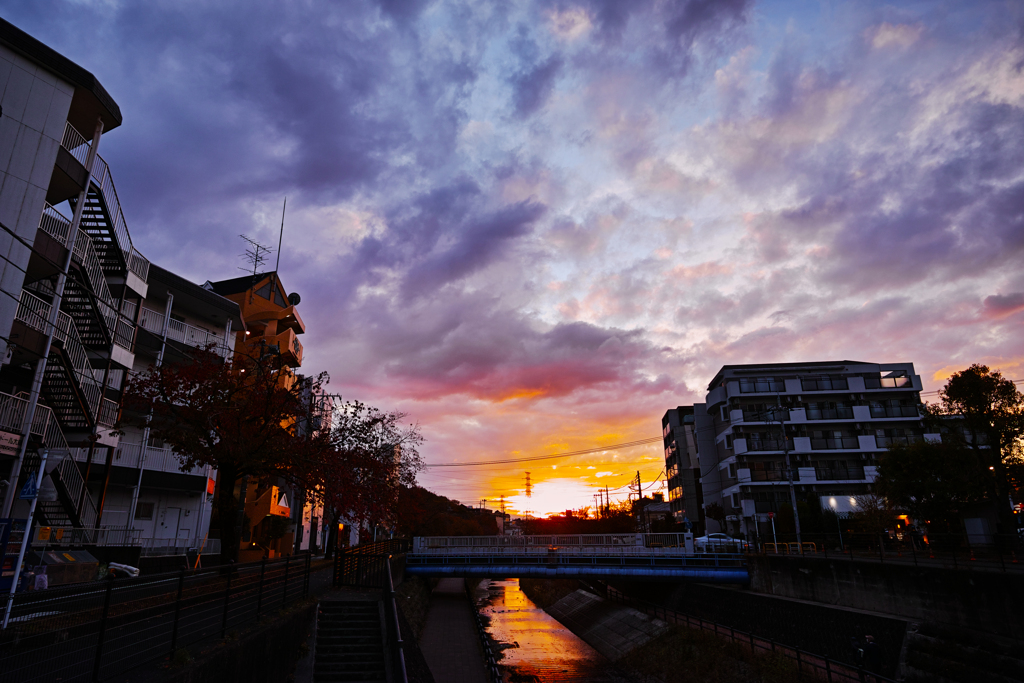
1000,305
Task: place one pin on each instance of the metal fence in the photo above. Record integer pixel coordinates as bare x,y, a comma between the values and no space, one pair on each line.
365,566
102,630
995,552
816,666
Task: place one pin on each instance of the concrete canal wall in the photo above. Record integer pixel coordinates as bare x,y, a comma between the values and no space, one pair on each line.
613,630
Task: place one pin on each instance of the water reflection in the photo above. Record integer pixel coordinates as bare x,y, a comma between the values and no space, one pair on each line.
538,648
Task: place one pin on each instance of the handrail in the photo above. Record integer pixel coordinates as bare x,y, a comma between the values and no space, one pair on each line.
55,224
392,613
12,413
136,262
75,143
35,312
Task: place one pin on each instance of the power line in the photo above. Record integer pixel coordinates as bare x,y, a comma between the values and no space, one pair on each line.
533,458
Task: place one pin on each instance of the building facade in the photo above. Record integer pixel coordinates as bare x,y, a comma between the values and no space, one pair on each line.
832,420
682,467
71,281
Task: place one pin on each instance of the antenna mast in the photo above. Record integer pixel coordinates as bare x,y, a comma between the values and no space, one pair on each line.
281,236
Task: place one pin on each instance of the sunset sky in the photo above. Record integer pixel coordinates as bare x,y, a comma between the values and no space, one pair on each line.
535,226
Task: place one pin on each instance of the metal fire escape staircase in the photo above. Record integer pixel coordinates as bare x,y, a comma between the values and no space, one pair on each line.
86,326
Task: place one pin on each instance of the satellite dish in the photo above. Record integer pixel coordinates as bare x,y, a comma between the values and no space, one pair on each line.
294,299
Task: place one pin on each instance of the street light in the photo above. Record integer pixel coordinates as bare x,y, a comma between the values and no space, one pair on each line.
833,505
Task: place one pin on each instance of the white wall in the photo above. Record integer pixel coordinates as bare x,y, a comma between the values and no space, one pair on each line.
35,110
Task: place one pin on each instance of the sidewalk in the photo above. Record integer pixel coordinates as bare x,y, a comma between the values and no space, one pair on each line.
450,642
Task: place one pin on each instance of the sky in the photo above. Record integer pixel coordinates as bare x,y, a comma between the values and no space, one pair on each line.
536,225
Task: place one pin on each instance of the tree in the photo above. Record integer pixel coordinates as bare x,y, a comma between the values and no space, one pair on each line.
239,416
982,411
363,459
716,512
932,480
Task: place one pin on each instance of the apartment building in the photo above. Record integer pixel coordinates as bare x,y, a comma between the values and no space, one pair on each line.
70,277
682,467
831,419
274,513
147,490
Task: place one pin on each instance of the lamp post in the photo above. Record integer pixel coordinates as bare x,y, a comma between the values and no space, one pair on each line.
833,505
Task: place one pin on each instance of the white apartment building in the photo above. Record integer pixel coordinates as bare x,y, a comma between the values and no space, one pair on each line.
832,418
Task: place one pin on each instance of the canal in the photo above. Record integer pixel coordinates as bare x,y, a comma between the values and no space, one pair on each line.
537,648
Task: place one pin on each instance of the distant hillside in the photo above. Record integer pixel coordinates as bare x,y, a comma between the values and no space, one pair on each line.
423,513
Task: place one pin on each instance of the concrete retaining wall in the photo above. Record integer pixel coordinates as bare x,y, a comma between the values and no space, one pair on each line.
980,600
612,630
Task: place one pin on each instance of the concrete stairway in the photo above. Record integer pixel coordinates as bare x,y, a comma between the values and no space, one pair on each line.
349,642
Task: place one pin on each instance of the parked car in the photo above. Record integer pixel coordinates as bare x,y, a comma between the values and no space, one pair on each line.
719,543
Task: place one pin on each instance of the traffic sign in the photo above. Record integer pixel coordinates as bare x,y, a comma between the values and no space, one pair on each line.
771,515
29,490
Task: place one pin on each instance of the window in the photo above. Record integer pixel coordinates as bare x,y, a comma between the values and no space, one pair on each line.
725,413
735,500
732,471
264,291
728,441
144,510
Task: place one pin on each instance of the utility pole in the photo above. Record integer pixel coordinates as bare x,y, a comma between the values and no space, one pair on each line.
778,414
529,491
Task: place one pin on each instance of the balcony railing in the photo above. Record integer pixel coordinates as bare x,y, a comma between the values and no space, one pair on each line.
835,443
76,144
887,383
108,413
136,262
766,416
837,413
129,454
839,473
773,475
886,441
768,444
760,386
55,224
825,384
182,332
894,411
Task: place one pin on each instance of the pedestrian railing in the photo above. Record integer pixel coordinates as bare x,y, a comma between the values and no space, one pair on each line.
818,666
988,552
363,566
102,630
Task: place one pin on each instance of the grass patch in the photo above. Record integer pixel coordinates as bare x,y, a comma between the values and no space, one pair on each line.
684,655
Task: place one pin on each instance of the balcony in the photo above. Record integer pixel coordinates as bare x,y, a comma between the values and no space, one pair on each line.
882,410
834,443
768,475
766,415
888,383
825,384
181,332
289,346
762,386
129,454
906,440
855,473
768,445
837,413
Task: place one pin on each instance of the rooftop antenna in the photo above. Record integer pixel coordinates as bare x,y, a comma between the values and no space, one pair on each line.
281,236
256,254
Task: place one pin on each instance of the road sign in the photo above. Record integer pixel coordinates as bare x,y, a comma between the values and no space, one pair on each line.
29,490
771,515
9,443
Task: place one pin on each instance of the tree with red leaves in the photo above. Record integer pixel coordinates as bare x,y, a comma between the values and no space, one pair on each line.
241,417
365,457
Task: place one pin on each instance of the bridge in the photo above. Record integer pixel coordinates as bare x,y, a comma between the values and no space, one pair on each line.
668,557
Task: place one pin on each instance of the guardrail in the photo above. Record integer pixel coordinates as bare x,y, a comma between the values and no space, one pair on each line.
75,143
102,631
